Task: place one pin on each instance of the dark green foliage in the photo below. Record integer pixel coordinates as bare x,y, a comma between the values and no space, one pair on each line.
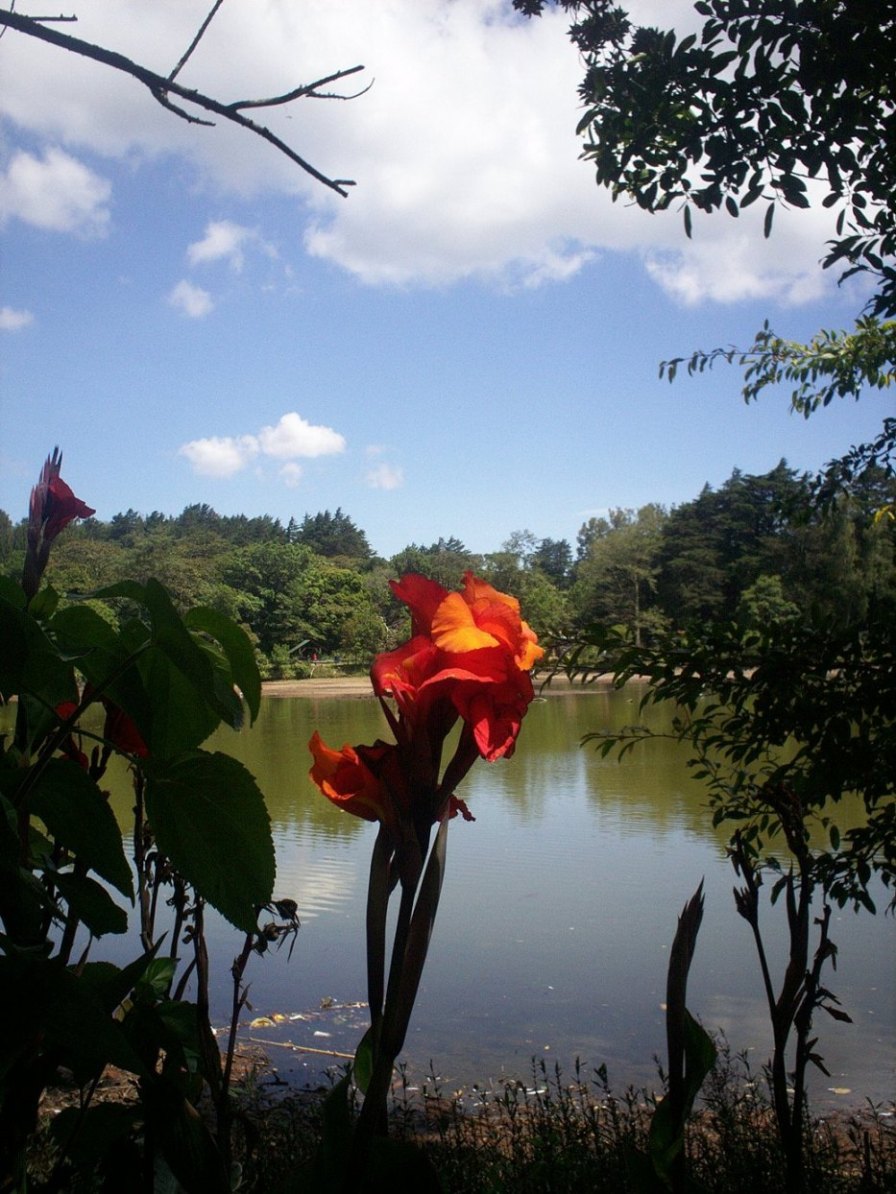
772,103
780,537
765,97
201,826
332,535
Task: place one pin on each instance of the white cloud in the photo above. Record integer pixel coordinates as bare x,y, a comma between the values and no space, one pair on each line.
13,321
291,474
385,476
55,192
219,456
291,439
464,148
191,300
293,436
226,240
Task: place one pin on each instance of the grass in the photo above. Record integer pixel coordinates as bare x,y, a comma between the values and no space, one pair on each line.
550,1135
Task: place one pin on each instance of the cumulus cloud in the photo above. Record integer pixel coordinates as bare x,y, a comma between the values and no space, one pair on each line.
464,149
191,300
13,321
55,192
220,456
291,439
225,240
294,436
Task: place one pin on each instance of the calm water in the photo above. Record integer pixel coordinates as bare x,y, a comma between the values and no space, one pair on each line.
557,913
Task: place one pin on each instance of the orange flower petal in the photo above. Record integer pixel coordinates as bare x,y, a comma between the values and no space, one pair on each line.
346,780
455,629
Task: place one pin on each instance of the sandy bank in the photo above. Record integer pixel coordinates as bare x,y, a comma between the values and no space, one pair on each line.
359,686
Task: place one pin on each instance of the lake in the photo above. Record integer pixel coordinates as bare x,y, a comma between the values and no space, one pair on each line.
557,914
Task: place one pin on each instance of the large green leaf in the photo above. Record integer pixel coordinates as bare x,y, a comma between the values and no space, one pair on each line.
30,664
77,814
186,695
209,818
238,649
103,655
181,720
171,636
92,904
13,637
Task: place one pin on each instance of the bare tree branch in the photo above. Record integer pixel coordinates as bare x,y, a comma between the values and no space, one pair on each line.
306,91
162,88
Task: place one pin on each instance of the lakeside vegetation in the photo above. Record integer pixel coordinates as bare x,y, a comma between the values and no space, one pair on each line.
759,547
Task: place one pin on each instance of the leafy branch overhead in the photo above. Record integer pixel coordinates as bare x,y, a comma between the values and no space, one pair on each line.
833,364
778,103
172,95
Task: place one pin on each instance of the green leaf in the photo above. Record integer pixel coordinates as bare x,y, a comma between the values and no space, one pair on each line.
362,1067
103,655
43,604
30,663
171,636
182,695
112,984
92,904
700,1057
767,222
236,646
209,818
77,814
154,983
181,720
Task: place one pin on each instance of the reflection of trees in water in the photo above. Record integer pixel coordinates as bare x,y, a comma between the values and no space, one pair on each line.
650,790
649,786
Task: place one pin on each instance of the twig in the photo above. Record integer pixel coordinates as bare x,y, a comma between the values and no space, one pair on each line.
258,1040
195,42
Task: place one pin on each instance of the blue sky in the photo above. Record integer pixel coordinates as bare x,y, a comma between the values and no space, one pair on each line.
465,346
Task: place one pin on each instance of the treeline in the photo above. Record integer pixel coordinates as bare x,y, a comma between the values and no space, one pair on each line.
758,548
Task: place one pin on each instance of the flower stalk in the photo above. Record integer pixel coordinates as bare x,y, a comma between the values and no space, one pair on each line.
468,661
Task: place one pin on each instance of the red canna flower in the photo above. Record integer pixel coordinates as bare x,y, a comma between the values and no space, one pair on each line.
469,658
69,747
52,507
345,778
370,782
478,617
120,730
471,651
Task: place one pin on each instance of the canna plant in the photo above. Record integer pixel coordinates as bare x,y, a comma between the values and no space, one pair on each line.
149,690
467,664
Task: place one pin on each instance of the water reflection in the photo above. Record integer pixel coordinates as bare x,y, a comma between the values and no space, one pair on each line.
558,909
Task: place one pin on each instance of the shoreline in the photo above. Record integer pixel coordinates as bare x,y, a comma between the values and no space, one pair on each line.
359,686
